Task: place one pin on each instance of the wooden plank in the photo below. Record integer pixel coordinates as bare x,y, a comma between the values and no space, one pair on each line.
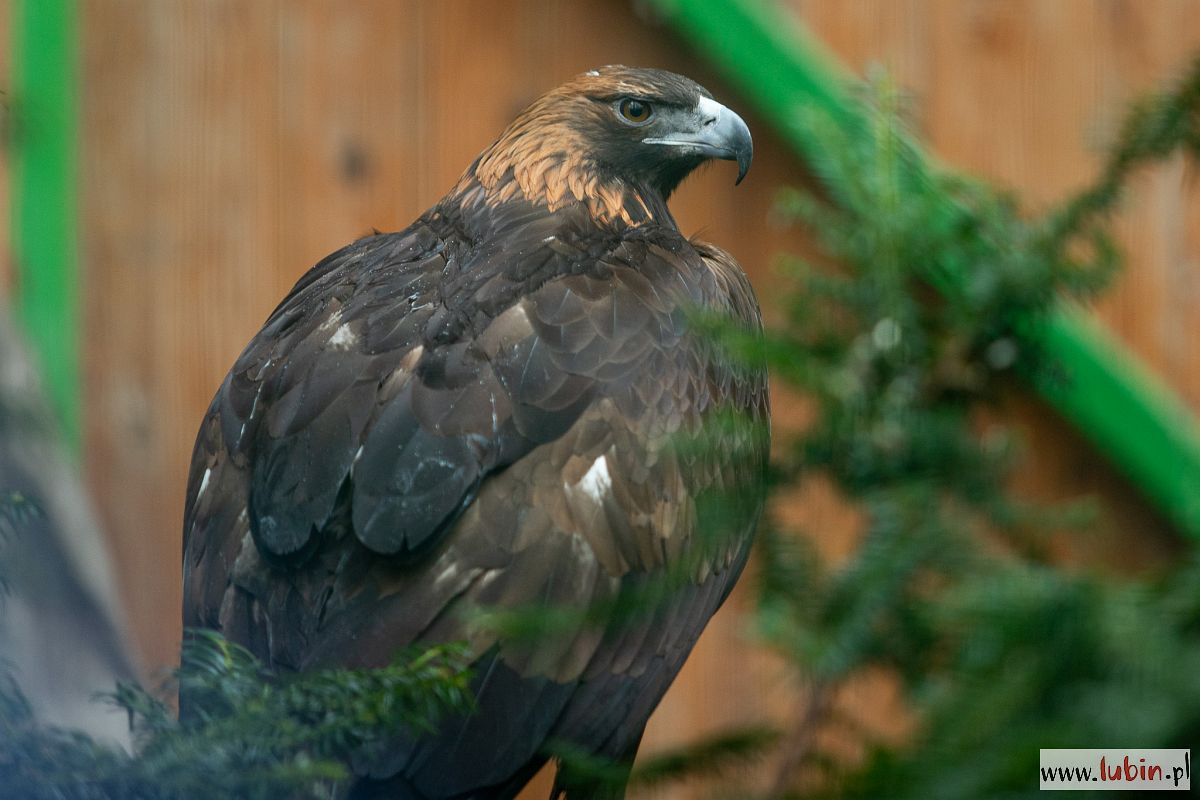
1051,99
1023,93
348,105
1055,78
180,239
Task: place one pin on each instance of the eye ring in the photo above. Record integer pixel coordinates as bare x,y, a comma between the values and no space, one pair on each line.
634,111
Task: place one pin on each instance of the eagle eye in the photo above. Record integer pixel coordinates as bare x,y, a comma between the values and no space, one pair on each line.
635,111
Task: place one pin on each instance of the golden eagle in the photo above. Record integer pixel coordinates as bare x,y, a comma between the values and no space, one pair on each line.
483,411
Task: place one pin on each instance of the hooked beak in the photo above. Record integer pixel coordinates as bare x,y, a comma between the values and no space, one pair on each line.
718,133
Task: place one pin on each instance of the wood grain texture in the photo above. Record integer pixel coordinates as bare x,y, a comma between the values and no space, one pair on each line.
1026,94
229,145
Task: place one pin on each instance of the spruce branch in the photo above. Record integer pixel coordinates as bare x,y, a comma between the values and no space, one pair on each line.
247,733
1154,128
948,589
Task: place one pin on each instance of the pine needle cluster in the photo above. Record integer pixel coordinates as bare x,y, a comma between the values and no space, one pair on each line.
924,308
245,732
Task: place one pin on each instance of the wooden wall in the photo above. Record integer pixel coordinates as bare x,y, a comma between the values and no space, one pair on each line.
1026,94
226,146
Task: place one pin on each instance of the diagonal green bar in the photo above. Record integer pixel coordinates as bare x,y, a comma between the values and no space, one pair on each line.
1127,412
43,195
1124,410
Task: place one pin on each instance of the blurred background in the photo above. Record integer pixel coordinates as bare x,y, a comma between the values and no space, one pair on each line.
222,148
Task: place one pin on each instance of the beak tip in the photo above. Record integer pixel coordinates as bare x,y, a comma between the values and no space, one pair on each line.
743,168
743,149
744,157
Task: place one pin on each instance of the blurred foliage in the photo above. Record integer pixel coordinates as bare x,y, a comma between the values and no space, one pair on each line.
933,283
246,733
917,316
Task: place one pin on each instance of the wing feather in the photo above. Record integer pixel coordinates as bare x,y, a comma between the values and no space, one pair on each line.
427,424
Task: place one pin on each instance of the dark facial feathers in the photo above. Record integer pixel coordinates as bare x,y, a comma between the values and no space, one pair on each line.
485,411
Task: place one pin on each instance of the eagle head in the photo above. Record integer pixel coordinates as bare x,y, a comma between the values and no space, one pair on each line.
618,139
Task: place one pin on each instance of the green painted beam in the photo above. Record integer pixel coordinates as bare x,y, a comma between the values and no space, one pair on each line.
1127,413
43,195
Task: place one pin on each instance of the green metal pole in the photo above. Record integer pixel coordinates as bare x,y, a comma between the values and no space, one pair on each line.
43,195
1125,411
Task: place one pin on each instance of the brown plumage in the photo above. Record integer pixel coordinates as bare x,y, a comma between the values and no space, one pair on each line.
485,410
